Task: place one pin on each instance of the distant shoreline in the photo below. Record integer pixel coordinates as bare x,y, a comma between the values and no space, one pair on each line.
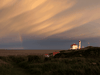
4,52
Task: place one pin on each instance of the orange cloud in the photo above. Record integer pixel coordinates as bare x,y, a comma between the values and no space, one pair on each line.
18,8
45,18
6,3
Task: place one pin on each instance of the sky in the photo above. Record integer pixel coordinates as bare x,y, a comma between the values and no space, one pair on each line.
49,24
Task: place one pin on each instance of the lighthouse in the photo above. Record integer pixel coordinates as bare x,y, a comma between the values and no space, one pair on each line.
79,44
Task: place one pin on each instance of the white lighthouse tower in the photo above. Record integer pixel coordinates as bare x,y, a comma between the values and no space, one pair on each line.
79,44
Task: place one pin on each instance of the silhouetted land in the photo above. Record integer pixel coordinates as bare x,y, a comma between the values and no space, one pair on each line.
68,62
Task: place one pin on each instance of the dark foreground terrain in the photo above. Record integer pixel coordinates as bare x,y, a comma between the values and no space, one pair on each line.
68,62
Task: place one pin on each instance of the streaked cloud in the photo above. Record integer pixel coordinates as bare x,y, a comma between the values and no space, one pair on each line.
37,19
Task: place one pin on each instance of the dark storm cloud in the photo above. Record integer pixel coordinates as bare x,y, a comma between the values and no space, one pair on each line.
11,46
54,43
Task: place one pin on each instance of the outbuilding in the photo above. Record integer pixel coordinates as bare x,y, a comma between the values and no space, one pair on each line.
46,55
74,46
54,53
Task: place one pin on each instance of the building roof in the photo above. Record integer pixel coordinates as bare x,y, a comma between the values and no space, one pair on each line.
55,53
46,54
73,44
